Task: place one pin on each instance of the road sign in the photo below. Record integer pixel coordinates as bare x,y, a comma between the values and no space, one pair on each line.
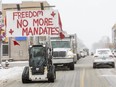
32,23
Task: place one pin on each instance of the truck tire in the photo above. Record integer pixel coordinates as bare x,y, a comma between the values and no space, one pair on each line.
51,74
71,66
113,65
94,65
25,75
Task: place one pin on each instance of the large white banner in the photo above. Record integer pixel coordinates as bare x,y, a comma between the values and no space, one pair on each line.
32,23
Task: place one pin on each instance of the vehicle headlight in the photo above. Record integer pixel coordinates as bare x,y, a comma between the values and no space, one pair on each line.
44,45
30,46
70,54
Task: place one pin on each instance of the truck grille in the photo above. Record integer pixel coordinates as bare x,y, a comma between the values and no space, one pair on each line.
59,54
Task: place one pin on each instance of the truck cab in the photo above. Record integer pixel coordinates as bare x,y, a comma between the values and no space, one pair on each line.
63,52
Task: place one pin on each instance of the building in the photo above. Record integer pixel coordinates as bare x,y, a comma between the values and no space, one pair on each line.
9,51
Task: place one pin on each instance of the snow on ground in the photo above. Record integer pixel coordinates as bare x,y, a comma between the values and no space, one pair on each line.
10,73
14,71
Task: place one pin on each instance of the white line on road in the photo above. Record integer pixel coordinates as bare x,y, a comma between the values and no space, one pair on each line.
82,78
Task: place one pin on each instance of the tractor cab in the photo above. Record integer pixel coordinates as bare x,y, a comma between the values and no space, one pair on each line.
39,57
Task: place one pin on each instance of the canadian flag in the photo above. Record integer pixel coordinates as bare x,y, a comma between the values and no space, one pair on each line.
61,32
15,42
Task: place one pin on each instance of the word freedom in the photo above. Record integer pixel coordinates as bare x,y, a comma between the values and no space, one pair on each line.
27,14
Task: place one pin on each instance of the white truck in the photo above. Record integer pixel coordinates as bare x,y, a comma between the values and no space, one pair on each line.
65,50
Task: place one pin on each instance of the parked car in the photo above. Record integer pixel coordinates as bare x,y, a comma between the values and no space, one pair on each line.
103,57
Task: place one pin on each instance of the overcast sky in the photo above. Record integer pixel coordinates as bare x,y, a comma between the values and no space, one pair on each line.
89,19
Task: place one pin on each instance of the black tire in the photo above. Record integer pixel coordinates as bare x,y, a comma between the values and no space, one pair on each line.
51,74
71,66
25,75
94,65
113,65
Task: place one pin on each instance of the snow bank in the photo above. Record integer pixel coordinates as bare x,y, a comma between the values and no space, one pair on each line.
10,73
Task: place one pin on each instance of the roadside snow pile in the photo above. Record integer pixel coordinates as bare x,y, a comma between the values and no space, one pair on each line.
10,73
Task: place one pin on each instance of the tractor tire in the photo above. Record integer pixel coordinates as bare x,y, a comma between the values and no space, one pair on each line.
51,74
25,75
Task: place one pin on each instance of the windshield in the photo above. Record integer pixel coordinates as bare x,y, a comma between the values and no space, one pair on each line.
38,56
103,52
60,44
37,51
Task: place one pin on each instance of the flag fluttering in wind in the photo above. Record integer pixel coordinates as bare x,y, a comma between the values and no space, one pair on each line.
61,33
62,36
15,43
